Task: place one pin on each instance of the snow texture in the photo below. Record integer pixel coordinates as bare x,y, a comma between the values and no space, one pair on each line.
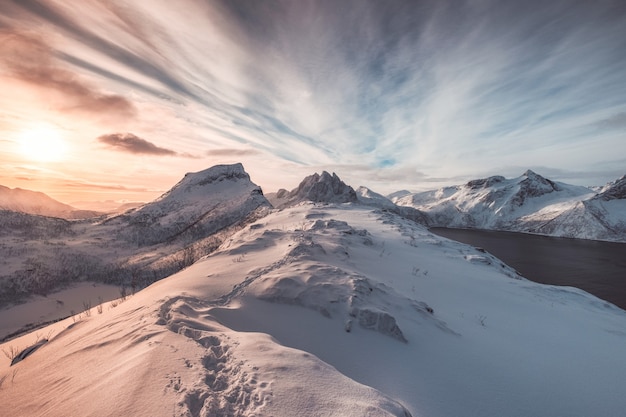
337,310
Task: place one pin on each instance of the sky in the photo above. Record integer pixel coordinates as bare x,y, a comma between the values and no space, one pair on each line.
117,100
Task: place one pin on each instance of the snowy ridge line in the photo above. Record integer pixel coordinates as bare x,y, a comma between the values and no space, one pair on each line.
261,327
133,249
529,203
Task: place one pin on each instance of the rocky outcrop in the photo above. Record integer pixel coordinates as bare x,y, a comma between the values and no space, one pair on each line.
324,188
615,190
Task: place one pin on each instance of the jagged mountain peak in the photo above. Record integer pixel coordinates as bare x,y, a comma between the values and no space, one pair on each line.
534,185
319,188
484,182
529,203
615,190
326,188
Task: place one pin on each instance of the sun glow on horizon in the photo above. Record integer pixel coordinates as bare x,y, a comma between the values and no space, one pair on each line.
42,143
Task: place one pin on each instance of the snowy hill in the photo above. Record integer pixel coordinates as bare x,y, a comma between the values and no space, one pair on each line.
529,203
338,310
370,198
39,255
201,204
34,202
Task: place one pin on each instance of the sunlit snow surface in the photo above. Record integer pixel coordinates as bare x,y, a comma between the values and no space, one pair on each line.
331,310
528,203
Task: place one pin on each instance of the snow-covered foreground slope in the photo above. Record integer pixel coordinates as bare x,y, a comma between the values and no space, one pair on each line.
529,203
331,310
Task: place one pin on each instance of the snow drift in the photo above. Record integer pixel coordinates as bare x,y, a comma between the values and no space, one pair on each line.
324,309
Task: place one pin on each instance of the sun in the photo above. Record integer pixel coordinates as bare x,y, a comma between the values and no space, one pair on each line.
43,143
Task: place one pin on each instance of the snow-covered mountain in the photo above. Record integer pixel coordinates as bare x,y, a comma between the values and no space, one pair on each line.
529,203
201,204
371,198
40,254
329,309
317,188
35,202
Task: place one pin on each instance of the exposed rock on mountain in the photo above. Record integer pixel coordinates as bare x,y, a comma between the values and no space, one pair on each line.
135,248
202,203
529,203
615,190
325,188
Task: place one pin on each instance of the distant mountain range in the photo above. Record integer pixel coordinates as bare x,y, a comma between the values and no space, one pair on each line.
335,302
529,203
133,249
41,249
34,202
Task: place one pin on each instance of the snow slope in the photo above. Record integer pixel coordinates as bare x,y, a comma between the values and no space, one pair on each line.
39,255
200,204
529,203
602,216
334,310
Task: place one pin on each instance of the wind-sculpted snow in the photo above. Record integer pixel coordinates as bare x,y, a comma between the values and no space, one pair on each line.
330,309
232,382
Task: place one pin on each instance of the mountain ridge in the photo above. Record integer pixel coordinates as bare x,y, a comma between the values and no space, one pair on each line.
38,203
323,187
529,203
329,309
131,249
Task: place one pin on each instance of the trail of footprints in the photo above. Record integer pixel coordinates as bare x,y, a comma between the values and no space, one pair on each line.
224,385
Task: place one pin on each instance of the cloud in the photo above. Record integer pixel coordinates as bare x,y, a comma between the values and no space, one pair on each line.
28,58
232,152
399,92
617,121
128,142
83,185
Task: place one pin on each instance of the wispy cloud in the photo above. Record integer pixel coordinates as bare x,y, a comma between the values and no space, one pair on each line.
128,142
84,185
616,121
28,58
397,92
232,152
